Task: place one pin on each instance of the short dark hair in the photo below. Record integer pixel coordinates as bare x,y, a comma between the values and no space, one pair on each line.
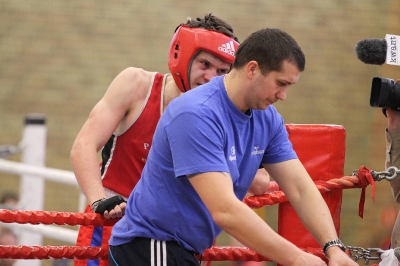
270,48
211,22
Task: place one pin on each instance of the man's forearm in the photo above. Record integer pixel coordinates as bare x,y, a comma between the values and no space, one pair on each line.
305,198
250,230
315,216
87,173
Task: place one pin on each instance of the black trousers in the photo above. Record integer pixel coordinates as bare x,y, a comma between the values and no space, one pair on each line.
149,252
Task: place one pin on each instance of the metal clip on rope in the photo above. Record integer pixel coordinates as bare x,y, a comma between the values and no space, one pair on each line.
390,174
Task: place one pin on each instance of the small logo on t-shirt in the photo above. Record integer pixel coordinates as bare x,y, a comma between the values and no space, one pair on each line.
256,151
232,157
146,146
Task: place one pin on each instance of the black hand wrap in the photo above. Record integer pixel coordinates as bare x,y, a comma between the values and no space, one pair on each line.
103,205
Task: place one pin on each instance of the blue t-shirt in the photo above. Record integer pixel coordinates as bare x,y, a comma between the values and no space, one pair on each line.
201,131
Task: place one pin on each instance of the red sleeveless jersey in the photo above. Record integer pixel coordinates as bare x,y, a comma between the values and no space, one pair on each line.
124,155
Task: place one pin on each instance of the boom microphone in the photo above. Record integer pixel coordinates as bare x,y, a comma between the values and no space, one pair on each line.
372,51
379,51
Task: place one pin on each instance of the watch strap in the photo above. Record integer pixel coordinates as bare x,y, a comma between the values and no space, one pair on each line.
335,242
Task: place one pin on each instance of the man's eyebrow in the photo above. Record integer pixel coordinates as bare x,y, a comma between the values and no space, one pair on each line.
286,81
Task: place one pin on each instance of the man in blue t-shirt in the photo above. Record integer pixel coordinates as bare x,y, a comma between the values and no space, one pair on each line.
206,150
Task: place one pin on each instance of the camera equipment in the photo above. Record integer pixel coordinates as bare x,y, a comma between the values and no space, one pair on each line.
385,93
379,51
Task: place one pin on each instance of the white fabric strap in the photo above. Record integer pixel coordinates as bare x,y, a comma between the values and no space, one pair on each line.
158,253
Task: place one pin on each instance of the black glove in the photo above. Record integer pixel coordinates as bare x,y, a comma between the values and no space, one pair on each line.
102,205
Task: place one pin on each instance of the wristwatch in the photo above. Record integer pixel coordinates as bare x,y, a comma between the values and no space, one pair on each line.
335,242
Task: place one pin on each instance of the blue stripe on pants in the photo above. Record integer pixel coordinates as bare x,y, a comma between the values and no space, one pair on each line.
96,242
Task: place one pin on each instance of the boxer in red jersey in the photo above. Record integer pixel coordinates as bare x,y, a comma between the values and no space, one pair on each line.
123,122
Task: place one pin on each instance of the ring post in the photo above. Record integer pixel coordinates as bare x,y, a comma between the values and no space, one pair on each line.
33,147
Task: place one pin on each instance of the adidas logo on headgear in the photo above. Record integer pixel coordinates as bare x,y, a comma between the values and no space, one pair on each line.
227,48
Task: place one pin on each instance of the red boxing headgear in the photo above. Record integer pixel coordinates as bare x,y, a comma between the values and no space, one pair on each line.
187,42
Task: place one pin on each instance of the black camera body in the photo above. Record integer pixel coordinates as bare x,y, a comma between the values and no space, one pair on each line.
385,93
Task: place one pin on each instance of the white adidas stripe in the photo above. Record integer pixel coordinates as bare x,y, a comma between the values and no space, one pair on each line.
164,251
231,45
156,260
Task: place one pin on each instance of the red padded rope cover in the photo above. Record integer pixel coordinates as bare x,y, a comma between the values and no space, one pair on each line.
321,149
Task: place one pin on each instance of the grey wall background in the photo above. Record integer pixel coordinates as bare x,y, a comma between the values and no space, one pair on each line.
58,58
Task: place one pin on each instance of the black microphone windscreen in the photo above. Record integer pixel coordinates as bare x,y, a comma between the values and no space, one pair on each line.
372,51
